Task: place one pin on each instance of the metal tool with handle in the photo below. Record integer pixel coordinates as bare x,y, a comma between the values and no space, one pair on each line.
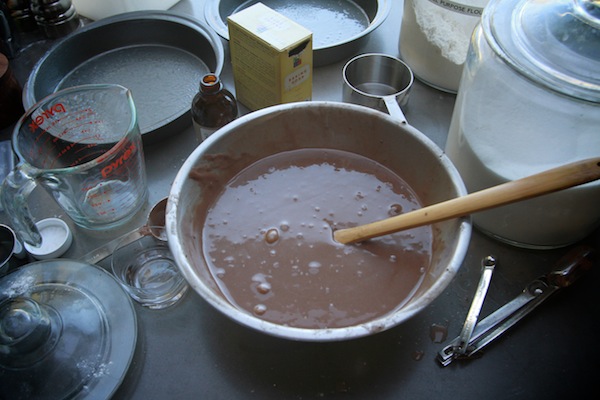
569,269
488,265
156,217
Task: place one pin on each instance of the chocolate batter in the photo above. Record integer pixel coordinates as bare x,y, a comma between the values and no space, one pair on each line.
268,240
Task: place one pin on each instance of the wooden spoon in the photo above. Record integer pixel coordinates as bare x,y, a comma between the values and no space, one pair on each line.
552,180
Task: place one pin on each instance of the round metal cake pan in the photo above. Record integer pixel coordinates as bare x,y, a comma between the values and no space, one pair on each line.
339,27
159,55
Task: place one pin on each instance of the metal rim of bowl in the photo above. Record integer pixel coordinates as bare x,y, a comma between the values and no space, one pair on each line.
315,335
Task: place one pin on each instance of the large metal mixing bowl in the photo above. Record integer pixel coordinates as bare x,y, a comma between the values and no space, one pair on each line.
360,130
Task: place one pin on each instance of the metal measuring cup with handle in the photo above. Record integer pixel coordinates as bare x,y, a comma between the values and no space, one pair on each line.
83,145
378,81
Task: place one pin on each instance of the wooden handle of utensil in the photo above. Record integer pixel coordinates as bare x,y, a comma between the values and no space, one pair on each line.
552,180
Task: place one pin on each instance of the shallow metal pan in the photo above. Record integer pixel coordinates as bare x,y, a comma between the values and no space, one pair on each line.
339,26
159,55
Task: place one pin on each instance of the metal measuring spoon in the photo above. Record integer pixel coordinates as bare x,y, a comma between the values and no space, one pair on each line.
488,264
567,270
156,217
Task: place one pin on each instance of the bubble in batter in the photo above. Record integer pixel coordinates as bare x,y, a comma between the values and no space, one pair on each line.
260,309
263,288
272,236
395,209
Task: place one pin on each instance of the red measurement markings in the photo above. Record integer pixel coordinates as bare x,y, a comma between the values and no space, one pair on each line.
106,212
115,165
54,117
41,116
80,132
96,199
88,156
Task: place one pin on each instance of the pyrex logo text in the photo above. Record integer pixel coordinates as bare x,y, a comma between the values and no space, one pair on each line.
45,114
127,154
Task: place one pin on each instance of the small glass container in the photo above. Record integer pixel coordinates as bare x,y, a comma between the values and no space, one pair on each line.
144,266
529,100
213,107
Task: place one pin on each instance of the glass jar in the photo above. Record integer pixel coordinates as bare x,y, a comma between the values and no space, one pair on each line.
434,39
529,100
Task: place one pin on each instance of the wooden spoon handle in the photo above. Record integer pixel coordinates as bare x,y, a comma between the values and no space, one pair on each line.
552,180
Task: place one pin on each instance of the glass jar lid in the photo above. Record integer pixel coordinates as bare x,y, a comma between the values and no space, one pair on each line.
555,43
67,331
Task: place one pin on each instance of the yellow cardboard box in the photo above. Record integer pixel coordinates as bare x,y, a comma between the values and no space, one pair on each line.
272,58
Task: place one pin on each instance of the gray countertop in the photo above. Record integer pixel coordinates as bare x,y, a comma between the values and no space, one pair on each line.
192,351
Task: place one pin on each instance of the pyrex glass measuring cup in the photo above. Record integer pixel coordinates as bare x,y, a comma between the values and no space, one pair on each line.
83,145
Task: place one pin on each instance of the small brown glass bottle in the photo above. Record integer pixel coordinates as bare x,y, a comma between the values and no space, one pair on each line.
213,107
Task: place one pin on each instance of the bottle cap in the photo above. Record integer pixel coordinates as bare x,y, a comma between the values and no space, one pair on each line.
56,239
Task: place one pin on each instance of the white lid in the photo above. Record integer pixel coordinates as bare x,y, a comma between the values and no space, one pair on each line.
56,239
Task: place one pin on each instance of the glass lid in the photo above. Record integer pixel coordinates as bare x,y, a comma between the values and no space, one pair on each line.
67,330
553,42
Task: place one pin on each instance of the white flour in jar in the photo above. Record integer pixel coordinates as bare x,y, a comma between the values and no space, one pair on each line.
435,37
507,136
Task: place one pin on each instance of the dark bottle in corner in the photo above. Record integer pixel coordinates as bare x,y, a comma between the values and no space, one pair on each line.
213,107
